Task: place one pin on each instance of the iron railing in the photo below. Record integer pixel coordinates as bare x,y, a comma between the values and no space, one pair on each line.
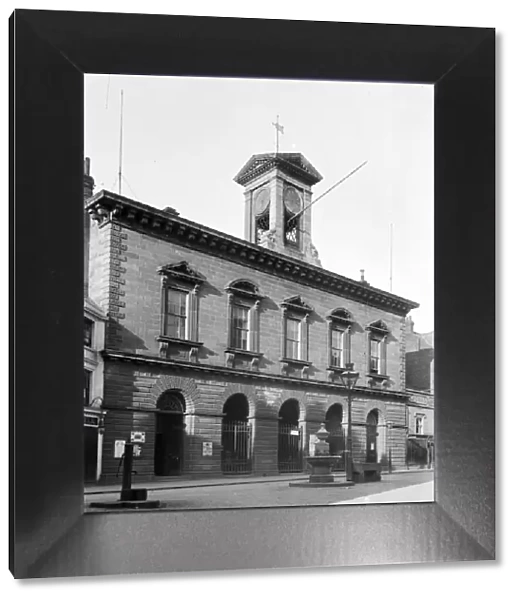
290,448
236,447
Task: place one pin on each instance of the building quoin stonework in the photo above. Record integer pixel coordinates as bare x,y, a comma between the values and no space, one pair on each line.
223,355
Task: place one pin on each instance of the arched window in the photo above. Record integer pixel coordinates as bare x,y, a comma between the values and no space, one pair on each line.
291,222
261,213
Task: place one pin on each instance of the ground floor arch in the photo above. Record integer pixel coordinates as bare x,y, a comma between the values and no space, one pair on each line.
290,438
336,439
236,436
169,434
372,434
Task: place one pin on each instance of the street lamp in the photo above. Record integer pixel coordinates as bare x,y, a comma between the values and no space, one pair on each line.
349,378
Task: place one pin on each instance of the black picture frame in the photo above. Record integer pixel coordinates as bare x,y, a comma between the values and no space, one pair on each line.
49,534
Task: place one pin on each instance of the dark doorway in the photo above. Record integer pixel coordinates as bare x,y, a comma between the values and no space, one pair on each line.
371,437
336,440
90,434
236,436
290,438
169,434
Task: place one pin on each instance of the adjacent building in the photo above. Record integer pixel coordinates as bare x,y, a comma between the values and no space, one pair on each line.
223,355
93,373
420,386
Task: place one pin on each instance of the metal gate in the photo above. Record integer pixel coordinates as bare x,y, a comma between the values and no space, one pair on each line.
236,447
290,448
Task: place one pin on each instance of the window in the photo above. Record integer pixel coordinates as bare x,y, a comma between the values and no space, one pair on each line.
293,338
292,200
337,348
87,387
180,287
340,322
295,329
262,213
378,334
240,327
374,356
243,318
291,229
88,332
419,424
175,322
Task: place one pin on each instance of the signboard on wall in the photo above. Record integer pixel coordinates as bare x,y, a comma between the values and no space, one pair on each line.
207,448
118,448
138,437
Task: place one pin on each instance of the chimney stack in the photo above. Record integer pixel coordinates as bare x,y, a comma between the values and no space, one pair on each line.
88,181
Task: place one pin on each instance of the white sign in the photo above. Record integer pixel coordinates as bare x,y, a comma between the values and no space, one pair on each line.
118,448
311,444
207,448
138,437
137,450
294,432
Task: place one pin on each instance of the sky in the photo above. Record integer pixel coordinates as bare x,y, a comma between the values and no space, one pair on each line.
185,139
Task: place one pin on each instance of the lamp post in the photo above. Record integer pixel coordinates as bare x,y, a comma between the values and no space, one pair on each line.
349,378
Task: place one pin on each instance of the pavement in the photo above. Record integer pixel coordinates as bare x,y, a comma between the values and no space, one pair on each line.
262,492
421,492
175,483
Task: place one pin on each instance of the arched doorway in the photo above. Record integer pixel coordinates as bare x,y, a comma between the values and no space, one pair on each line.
336,440
290,438
236,436
169,434
371,437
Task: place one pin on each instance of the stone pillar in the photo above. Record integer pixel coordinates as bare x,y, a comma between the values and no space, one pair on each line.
203,427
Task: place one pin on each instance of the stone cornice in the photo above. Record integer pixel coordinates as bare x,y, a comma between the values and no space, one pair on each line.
291,163
253,375
110,207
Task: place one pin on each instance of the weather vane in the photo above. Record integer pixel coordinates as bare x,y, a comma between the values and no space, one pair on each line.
279,129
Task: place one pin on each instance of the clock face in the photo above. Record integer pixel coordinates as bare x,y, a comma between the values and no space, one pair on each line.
292,200
261,201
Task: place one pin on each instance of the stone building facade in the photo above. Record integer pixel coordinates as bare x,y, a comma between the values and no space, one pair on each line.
224,355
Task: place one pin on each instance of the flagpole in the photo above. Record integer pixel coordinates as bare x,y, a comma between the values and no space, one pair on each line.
328,191
121,147
391,257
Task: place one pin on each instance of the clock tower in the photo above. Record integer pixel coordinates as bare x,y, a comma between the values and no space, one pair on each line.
278,192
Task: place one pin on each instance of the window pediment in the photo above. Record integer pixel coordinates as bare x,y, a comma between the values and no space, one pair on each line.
181,271
378,327
297,304
340,315
245,288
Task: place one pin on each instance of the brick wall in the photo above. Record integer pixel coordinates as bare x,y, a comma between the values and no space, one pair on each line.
125,282
419,373
131,394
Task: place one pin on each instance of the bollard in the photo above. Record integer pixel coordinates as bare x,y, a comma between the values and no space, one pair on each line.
126,490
